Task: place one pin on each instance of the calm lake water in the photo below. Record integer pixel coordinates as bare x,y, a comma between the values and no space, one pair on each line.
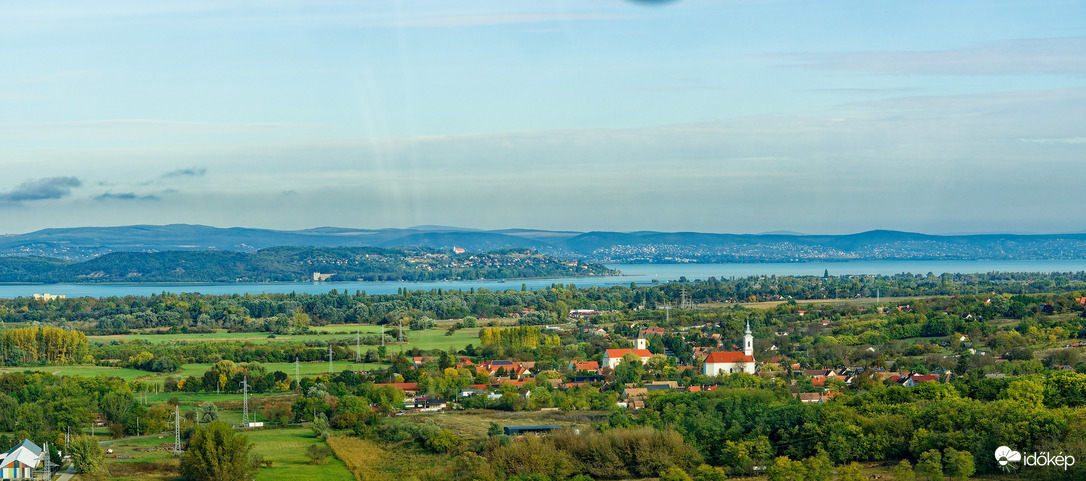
638,273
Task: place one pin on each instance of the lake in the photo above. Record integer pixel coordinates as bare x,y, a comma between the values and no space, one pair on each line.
638,273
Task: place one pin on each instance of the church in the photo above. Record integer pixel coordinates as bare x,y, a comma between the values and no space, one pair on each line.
718,363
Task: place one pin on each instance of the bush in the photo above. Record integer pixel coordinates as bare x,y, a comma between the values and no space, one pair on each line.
318,453
674,474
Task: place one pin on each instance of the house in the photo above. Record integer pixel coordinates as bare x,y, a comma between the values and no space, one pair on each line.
720,362
409,388
20,461
815,397
590,366
652,331
594,330
917,379
662,386
612,357
582,313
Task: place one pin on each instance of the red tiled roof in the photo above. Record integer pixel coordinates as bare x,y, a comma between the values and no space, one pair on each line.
731,356
586,366
618,353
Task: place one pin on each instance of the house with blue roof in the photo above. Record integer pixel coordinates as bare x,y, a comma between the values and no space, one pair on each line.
21,461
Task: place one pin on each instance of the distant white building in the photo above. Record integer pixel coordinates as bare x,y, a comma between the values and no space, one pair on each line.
48,297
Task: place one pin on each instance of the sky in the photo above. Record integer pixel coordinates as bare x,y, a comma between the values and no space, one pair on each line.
828,117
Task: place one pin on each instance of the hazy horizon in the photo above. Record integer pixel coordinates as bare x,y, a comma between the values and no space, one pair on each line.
448,228
603,115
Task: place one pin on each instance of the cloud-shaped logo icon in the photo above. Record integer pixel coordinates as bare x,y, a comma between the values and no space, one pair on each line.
1006,455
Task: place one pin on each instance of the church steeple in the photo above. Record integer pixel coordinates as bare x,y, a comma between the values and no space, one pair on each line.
748,342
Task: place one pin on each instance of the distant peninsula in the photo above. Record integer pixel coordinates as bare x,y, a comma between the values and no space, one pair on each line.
294,264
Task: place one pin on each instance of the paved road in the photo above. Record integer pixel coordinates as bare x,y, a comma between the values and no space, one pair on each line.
67,474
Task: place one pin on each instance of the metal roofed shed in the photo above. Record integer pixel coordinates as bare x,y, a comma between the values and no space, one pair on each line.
518,430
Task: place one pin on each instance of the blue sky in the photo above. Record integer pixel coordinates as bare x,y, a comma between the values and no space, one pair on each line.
722,116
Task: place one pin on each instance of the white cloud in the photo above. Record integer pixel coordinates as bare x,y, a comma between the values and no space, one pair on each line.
1054,56
486,20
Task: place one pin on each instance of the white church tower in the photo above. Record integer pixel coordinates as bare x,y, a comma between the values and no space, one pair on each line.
748,342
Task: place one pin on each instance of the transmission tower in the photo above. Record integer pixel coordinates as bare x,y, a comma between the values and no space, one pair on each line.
47,463
329,359
245,401
401,331
297,376
357,347
176,430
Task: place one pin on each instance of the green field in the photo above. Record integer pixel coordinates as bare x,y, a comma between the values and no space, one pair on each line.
83,370
306,369
428,339
284,447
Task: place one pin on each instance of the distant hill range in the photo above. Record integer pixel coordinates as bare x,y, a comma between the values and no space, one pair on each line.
76,244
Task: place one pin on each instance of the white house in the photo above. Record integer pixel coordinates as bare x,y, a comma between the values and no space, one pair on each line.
717,363
20,461
612,357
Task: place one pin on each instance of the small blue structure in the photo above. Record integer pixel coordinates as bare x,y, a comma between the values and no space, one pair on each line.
518,430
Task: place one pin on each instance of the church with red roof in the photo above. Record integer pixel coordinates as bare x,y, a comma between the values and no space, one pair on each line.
719,363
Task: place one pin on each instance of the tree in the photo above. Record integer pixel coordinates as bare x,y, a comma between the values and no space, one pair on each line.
784,469
629,369
930,465
709,473
208,412
850,472
904,471
87,455
959,464
216,453
318,453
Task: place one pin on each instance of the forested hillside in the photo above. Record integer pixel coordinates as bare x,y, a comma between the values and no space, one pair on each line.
294,264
